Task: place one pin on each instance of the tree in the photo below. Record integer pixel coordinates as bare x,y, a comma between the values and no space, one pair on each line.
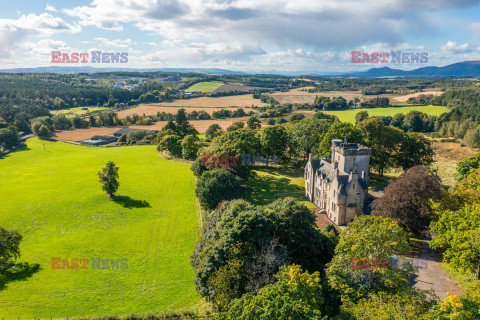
415,150
189,147
297,117
472,138
296,295
170,143
466,166
413,121
274,140
464,307
269,236
60,122
338,130
235,143
213,131
384,141
9,138
360,116
109,179
44,131
253,123
409,303
215,186
368,241
458,233
407,198
307,134
236,126
40,129
9,249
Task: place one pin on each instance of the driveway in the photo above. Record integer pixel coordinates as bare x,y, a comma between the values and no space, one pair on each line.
431,275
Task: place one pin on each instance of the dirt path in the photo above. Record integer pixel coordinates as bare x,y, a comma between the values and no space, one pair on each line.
431,275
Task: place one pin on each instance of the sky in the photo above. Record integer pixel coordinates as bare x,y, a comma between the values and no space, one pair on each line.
300,36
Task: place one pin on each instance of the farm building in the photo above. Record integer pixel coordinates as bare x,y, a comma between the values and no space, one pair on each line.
126,130
90,142
109,139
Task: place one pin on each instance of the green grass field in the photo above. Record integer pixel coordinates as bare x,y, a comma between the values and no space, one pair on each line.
349,115
79,111
272,183
207,86
54,199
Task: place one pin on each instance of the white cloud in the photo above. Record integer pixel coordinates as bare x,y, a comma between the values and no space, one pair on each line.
14,32
117,42
452,48
50,8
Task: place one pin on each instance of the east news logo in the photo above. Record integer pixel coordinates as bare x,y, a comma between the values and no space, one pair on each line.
395,56
96,57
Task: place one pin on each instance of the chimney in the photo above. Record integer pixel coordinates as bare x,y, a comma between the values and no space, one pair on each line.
309,157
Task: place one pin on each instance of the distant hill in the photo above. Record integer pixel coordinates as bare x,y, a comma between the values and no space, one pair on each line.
87,69
466,69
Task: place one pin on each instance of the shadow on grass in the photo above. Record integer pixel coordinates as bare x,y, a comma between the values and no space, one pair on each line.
263,189
19,272
7,154
129,203
378,182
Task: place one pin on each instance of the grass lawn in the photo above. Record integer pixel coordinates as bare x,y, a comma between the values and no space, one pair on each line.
206,86
71,112
54,199
272,183
349,115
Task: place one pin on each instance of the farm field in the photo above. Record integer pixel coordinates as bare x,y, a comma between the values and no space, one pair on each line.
298,96
79,111
404,98
82,134
447,155
205,87
238,101
56,203
152,109
349,115
234,87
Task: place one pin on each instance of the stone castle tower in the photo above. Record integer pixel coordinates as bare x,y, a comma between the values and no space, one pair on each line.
339,185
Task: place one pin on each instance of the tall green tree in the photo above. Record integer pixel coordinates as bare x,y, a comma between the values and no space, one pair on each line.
296,295
109,178
274,140
415,150
9,249
368,241
384,141
338,130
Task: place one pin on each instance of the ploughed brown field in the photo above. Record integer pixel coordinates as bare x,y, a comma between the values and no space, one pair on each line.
297,96
152,109
82,134
235,87
239,101
413,95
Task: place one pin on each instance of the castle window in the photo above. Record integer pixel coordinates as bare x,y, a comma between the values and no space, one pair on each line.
354,160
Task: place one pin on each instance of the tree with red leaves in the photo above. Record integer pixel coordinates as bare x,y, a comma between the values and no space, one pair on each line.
407,199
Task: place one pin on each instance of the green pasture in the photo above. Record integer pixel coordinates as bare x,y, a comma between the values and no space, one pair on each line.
79,111
205,87
349,115
50,193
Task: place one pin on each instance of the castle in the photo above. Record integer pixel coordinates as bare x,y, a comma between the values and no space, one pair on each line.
339,185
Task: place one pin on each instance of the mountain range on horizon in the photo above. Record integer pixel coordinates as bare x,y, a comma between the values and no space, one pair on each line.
459,69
